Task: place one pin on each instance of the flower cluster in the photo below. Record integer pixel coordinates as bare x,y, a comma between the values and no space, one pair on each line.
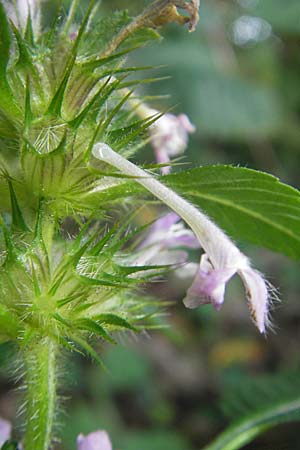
71,265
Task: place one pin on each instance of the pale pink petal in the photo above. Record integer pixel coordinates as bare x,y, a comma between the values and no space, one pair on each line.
98,440
5,431
168,233
208,286
162,157
169,137
186,123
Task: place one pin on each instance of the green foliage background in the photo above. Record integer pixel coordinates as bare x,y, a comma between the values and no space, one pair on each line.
178,389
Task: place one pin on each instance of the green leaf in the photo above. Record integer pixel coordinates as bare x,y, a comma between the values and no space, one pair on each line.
5,41
29,35
113,319
9,325
76,122
250,108
119,138
248,204
89,350
94,63
106,280
10,247
6,97
103,31
284,16
222,103
10,445
93,327
244,431
56,102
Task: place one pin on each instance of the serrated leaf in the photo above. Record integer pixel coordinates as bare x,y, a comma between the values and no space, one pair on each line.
248,204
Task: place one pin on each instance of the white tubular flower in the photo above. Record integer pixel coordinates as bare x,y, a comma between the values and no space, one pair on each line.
222,258
98,440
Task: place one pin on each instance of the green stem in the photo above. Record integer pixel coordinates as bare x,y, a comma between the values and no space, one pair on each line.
40,364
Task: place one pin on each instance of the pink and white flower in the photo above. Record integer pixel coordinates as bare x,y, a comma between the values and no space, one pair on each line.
222,258
98,440
166,242
169,134
169,137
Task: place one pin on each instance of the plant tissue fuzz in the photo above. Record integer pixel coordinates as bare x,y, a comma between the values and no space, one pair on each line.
74,262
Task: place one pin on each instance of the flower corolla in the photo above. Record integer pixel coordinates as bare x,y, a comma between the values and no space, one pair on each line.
98,440
169,134
169,137
222,258
166,242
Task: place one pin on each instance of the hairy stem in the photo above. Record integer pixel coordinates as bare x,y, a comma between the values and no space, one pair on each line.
40,364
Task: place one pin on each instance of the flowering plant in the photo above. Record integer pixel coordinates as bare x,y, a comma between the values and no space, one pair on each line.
73,269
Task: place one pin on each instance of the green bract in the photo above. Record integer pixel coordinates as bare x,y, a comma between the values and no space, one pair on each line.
61,279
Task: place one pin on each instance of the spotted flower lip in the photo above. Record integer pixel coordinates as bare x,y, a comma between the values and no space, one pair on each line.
98,440
222,257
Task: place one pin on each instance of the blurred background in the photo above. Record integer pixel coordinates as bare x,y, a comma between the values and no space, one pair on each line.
238,79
